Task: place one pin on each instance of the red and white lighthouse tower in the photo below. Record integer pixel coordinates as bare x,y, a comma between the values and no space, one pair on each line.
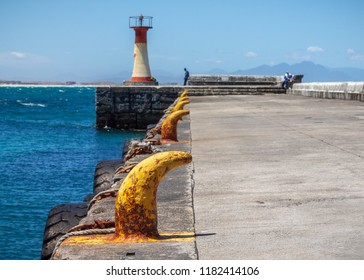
141,71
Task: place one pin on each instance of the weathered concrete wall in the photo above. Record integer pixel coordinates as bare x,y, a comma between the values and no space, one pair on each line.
132,107
234,90
237,84
196,80
343,90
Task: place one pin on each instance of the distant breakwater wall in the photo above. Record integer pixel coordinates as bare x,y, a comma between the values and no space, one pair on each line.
234,80
131,107
333,90
136,107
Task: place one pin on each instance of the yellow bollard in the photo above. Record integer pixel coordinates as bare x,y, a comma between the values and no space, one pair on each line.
184,93
169,126
182,99
177,101
180,105
136,204
136,218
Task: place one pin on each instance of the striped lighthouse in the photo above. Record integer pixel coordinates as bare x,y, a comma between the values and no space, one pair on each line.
141,71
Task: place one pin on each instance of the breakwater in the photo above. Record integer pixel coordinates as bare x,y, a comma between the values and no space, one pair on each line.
136,107
101,211
333,90
133,107
234,80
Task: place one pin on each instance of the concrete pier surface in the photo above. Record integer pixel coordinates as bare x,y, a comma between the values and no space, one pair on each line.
278,177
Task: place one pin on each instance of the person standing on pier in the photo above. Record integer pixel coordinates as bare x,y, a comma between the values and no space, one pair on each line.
187,75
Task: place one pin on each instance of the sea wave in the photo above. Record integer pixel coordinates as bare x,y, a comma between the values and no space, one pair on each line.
30,104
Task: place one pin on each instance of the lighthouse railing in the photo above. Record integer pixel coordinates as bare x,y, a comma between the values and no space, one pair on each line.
141,21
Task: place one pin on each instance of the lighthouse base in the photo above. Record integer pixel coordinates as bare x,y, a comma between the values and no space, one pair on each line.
145,83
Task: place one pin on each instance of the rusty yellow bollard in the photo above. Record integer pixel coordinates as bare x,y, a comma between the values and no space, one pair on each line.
183,99
136,204
184,93
169,126
177,104
180,104
136,207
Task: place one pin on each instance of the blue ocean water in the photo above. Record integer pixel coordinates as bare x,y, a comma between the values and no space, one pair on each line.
49,148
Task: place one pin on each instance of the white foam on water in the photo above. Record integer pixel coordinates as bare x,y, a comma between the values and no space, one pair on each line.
32,104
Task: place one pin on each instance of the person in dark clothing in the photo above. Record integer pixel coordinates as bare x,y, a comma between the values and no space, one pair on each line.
187,75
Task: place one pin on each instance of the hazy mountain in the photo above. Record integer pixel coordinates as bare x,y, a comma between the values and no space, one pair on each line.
165,77
312,72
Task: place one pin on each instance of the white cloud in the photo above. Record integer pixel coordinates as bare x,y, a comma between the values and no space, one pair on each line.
19,55
15,65
21,58
251,54
350,51
355,56
314,49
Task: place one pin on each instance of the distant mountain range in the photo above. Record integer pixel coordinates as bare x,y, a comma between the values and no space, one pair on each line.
312,73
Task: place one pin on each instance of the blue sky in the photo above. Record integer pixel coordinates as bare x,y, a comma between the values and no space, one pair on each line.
87,40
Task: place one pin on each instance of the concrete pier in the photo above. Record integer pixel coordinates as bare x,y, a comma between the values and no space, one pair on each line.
278,177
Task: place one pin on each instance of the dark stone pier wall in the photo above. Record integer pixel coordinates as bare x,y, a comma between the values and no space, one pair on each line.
133,107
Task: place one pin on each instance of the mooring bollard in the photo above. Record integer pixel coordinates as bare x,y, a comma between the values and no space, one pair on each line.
158,128
180,104
136,204
182,99
169,126
135,207
184,93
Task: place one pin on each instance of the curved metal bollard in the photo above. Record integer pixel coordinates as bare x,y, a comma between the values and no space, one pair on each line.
169,126
177,105
180,105
181,99
184,93
136,205
158,128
